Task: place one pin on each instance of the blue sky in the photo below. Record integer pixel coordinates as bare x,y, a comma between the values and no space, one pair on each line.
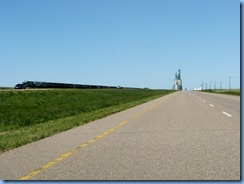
137,43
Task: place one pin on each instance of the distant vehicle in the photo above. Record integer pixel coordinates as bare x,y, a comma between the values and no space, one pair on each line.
19,86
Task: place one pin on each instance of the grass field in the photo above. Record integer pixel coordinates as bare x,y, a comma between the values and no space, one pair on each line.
27,116
224,91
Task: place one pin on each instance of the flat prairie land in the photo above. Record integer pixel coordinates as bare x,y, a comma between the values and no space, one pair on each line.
225,91
30,115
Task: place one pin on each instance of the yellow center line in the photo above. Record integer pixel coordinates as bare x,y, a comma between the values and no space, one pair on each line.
65,155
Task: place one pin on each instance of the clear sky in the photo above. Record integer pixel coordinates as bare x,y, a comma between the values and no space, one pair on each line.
137,43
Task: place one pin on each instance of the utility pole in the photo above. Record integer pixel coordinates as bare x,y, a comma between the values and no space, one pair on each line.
206,85
214,86
209,84
229,83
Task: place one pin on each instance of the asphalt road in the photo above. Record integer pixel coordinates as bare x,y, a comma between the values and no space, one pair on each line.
182,136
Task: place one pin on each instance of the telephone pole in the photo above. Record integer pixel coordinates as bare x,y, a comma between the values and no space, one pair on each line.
229,83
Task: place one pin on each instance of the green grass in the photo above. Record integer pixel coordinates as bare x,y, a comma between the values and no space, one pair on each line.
27,116
227,92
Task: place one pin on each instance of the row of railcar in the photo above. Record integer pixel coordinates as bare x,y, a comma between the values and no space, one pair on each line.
36,84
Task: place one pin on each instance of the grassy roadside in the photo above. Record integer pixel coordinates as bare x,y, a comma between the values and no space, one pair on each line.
236,93
14,136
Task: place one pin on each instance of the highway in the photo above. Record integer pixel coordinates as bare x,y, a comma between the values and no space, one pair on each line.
181,136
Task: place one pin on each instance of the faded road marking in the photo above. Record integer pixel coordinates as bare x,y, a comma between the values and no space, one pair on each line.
211,105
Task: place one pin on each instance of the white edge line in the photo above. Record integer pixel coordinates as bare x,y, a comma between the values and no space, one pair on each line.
211,105
226,114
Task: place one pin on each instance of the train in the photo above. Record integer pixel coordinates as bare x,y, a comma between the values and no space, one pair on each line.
37,84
